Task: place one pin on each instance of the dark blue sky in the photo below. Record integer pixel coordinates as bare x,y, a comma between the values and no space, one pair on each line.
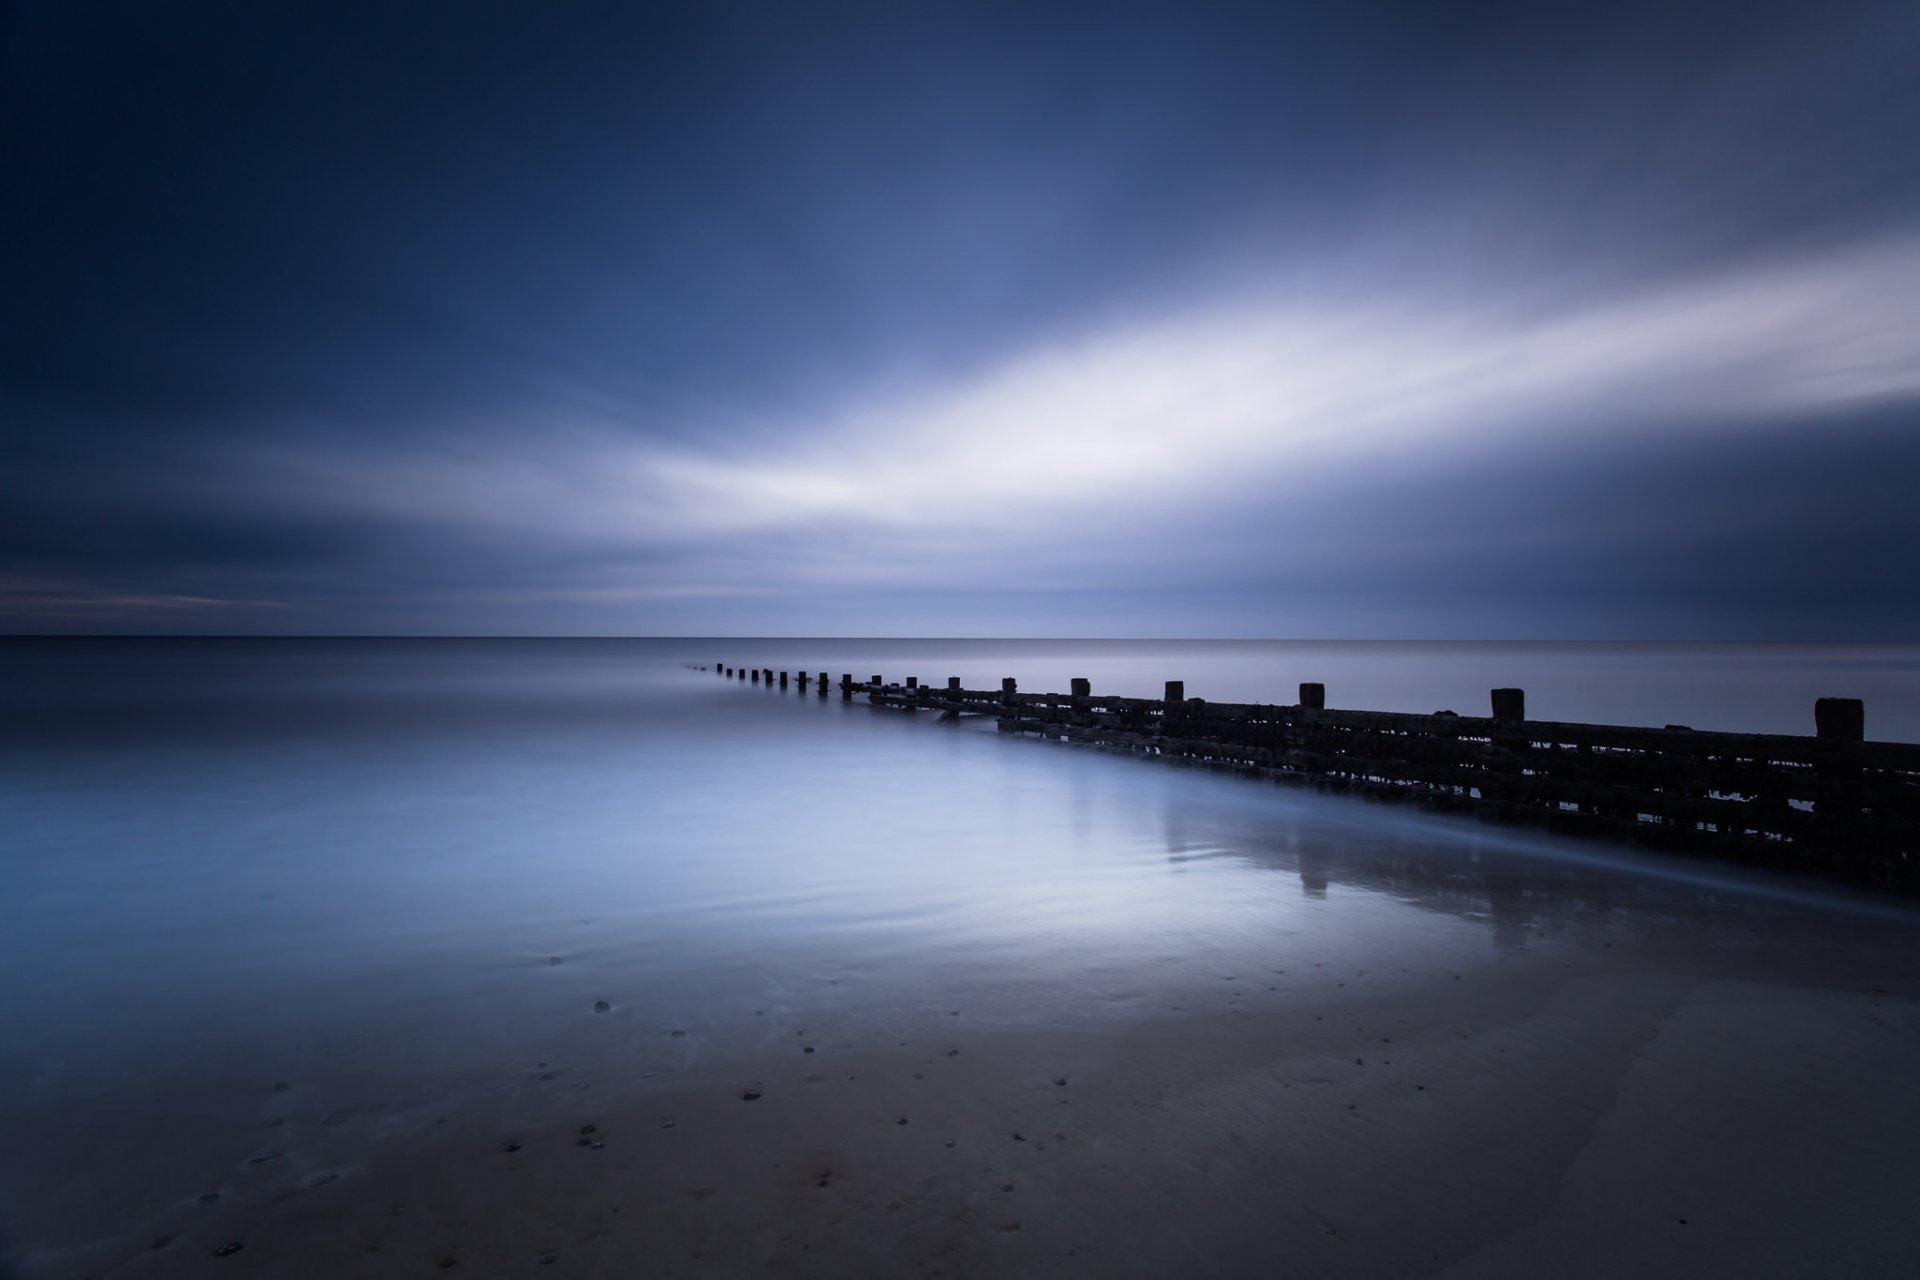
1463,320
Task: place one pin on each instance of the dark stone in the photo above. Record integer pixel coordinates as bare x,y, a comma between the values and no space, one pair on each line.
161,1243
1061,1082
508,1147
229,1248
601,1006
264,1156
587,1128
208,1197
749,1095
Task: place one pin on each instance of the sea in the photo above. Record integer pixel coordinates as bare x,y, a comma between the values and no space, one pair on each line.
393,875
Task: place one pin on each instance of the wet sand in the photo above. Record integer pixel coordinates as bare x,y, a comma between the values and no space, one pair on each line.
1560,1110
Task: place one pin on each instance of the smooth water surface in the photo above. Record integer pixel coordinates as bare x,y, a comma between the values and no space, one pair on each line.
410,869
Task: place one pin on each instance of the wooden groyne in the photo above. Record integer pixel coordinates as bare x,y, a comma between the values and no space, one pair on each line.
1831,804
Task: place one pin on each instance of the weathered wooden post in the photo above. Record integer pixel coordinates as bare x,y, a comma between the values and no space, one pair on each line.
875,681
1840,719
1082,687
823,684
756,675
913,682
783,679
1509,704
1176,691
719,669
953,684
802,678
846,686
1313,696
1008,687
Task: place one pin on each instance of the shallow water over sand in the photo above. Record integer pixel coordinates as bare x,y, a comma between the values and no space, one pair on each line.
269,910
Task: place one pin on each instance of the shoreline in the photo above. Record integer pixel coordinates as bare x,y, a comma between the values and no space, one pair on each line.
1559,1103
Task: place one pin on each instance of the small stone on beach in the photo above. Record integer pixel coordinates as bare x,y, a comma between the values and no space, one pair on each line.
599,1006
230,1247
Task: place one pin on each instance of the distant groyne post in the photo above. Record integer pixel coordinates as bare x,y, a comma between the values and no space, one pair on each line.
1176,692
1509,704
1840,719
1313,696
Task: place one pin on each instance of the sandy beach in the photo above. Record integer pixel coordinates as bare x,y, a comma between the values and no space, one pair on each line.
1557,1110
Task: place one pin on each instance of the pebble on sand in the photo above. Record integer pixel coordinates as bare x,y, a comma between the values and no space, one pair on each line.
601,1006
749,1095
230,1247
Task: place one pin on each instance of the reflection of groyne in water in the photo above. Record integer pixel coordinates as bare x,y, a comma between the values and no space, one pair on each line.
1833,804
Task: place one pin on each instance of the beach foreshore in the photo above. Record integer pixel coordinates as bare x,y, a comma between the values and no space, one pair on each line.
1561,1110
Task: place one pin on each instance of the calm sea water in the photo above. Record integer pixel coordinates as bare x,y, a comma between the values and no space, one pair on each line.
406,870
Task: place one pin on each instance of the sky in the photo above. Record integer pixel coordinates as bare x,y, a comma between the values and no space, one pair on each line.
1464,320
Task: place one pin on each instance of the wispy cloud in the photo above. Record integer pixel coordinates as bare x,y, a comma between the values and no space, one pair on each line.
1160,411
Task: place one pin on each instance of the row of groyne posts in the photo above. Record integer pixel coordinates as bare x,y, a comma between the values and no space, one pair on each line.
1833,803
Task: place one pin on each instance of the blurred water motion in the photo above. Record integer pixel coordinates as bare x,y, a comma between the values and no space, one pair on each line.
414,867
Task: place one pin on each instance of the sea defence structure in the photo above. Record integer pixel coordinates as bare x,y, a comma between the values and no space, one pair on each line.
1832,804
